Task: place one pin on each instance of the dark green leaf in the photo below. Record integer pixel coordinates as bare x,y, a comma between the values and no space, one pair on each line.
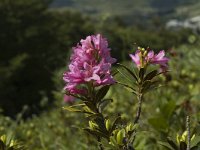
146,84
91,106
151,75
2,146
101,93
141,73
116,121
183,146
172,144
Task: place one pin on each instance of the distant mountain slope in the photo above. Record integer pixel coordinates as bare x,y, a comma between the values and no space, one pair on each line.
130,9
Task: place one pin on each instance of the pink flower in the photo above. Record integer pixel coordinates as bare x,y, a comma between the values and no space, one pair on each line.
145,57
68,99
157,59
136,58
90,62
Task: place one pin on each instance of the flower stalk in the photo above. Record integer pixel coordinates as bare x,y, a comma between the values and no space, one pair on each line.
139,109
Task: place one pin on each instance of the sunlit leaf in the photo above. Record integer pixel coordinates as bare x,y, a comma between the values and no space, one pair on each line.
72,109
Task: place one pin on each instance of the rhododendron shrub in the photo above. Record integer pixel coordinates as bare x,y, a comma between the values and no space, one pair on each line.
89,78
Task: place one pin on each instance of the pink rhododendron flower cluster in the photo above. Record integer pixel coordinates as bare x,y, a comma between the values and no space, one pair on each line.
90,63
143,57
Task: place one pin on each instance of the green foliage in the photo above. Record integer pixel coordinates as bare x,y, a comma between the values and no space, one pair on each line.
169,103
6,143
34,42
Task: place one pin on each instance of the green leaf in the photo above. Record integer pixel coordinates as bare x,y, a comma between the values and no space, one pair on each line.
195,141
159,123
151,75
166,145
101,93
168,109
71,109
121,136
130,72
102,104
125,76
115,73
113,141
96,133
75,110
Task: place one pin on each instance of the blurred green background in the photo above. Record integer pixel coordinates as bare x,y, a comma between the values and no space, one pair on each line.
36,37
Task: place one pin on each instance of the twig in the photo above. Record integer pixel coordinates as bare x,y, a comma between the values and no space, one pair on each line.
188,130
